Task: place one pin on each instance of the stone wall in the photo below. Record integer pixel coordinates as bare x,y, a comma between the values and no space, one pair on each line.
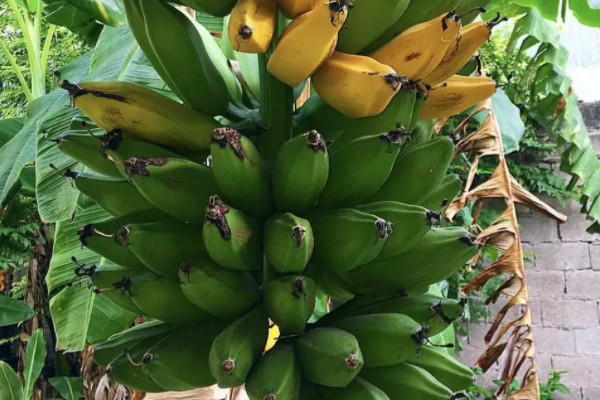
564,281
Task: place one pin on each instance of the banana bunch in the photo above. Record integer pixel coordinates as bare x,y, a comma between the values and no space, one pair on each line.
225,249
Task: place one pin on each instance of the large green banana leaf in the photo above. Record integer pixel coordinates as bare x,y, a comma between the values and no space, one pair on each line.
586,11
36,356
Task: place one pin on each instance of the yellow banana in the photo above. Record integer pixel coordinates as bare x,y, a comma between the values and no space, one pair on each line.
417,51
143,114
292,8
471,38
456,95
252,25
356,86
307,42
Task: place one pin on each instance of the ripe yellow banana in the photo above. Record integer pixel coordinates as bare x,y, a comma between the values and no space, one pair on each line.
356,86
307,42
465,45
456,95
417,51
292,8
252,25
143,114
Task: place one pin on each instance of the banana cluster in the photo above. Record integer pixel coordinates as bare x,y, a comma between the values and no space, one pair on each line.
225,252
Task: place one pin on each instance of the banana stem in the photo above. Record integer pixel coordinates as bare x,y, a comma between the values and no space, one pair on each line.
276,109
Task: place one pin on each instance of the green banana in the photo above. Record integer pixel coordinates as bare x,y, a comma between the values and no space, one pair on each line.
288,243
107,278
240,172
440,253
368,20
276,376
360,168
162,298
216,8
358,389
319,116
127,369
444,194
87,150
300,172
417,12
116,196
225,294
178,187
405,381
180,360
110,349
195,66
290,301
384,339
137,24
445,368
238,347
329,357
417,172
163,246
232,239
329,283
308,391
420,98
397,115
409,224
434,312
102,238
422,132
120,148
347,238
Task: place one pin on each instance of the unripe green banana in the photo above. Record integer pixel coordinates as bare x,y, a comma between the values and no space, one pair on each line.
329,357
195,62
162,298
329,283
87,150
127,369
240,172
347,238
405,381
236,349
417,172
398,114
420,98
102,238
107,278
445,368
216,8
409,224
384,339
180,360
225,294
434,312
319,116
290,301
121,148
178,187
422,132
368,20
276,376
358,169
358,389
163,246
300,172
440,253
116,196
288,243
116,345
444,194
232,239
